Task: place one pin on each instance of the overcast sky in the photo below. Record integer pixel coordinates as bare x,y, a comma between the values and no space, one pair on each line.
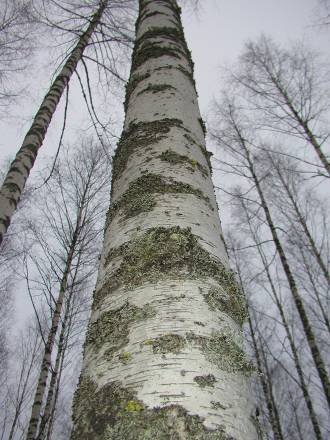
215,36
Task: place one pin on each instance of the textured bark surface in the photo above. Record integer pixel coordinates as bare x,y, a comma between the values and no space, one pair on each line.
21,166
164,356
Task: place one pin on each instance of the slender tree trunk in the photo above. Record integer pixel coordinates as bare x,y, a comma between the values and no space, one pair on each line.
22,393
62,345
57,390
46,362
20,168
310,337
297,364
54,378
270,403
270,389
309,135
303,124
302,222
308,270
20,402
273,414
163,354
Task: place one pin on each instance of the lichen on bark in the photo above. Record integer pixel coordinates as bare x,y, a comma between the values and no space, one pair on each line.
112,328
175,158
223,349
208,380
229,299
153,50
207,154
168,343
156,88
141,195
133,82
139,136
113,412
162,253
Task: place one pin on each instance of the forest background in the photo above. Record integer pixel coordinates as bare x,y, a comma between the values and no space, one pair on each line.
216,35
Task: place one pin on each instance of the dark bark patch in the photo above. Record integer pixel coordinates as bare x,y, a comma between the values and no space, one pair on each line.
156,88
31,148
140,136
169,343
11,187
175,158
203,125
229,299
205,381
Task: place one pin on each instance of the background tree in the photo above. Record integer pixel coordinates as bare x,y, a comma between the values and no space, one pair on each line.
67,232
17,175
276,191
16,35
286,89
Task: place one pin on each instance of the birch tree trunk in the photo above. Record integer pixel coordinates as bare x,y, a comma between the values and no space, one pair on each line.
302,221
21,166
294,351
274,419
46,360
308,330
50,401
163,354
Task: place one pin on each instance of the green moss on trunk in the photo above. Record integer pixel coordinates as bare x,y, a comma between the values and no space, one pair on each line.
145,49
222,349
150,50
185,72
169,343
207,154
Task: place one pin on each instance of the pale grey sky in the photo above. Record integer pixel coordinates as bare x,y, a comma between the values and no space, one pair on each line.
215,36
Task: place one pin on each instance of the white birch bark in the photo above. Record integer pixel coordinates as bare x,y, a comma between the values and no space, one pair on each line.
163,355
19,170
35,418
